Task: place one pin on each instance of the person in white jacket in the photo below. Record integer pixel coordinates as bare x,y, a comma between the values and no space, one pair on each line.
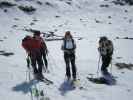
69,47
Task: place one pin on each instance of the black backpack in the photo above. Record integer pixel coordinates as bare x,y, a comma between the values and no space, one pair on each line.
105,46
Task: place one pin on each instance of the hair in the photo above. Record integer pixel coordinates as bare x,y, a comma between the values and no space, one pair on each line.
103,38
68,33
26,38
37,33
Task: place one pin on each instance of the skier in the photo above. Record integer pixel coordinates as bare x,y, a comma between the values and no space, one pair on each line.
32,47
106,51
69,47
44,50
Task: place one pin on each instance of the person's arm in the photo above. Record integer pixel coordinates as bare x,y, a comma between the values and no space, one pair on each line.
102,50
62,46
44,45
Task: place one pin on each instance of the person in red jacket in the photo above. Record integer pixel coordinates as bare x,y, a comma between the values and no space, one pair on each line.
44,50
32,46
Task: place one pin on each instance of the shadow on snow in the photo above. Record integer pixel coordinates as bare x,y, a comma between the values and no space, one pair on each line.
25,86
65,87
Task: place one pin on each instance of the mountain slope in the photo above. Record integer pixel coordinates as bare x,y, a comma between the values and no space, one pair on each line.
88,19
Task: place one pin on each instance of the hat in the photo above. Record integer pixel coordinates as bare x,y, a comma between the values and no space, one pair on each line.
103,38
37,33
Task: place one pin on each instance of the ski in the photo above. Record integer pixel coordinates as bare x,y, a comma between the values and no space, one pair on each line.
42,96
39,95
77,84
99,80
36,91
108,80
45,80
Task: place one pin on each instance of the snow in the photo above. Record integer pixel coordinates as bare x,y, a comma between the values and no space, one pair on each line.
81,22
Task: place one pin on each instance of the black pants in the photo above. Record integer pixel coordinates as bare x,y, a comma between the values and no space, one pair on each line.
36,59
105,63
70,58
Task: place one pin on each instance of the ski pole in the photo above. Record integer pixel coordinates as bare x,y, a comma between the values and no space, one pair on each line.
51,61
28,66
28,75
98,65
111,67
45,67
28,61
29,79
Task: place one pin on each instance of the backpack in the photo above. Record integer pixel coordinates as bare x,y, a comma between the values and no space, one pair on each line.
29,43
25,42
105,47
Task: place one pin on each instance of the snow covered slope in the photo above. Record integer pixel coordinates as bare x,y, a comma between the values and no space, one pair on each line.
88,19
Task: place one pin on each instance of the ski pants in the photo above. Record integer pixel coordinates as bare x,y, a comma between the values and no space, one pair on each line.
36,59
70,58
106,60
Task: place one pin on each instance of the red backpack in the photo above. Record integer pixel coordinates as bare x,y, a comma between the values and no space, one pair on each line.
29,43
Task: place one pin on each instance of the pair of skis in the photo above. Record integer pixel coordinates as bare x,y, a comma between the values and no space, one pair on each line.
107,79
35,92
38,94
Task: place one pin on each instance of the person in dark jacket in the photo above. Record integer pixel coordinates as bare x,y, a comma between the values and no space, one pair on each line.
44,50
69,47
106,51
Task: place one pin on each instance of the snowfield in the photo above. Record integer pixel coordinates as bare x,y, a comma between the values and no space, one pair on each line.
87,21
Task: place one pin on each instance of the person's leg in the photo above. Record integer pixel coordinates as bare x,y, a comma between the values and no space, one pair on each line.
74,70
67,61
105,64
45,59
103,67
33,64
40,64
108,61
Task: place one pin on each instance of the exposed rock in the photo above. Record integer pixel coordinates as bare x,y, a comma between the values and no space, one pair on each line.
104,5
7,54
39,2
124,66
27,9
6,4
